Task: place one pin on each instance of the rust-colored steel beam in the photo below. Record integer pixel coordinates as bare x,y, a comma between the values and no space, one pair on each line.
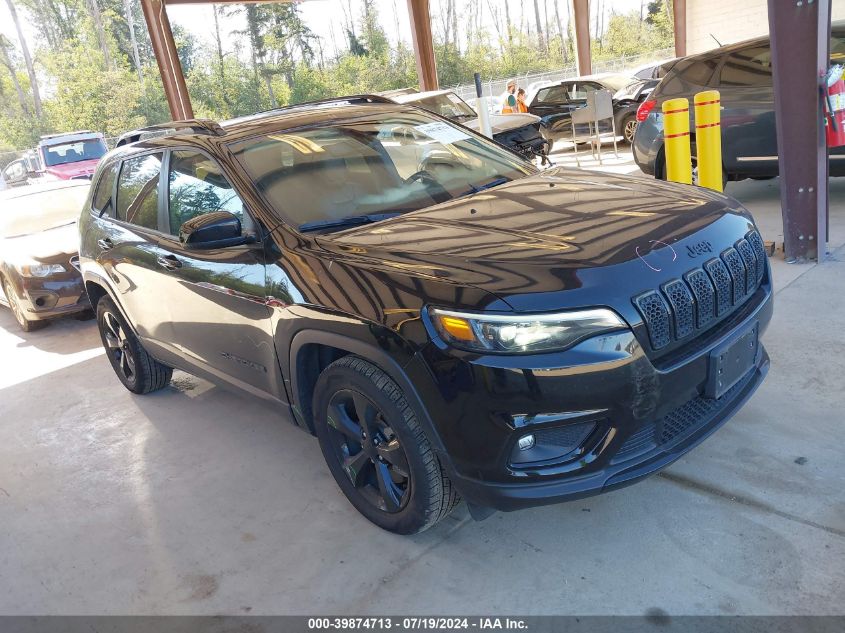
800,33
167,57
679,16
420,16
581,11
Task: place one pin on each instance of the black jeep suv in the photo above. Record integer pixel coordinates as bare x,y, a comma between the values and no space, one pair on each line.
448,320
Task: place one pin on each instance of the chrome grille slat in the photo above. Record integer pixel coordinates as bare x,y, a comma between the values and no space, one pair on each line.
693,303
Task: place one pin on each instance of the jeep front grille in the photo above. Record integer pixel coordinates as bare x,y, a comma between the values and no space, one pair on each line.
686,306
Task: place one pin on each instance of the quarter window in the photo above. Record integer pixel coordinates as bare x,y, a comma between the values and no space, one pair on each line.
105,188
137,191
748,67
197,186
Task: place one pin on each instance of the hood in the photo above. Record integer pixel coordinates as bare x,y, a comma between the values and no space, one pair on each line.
504,122
46,246
73,170
546,232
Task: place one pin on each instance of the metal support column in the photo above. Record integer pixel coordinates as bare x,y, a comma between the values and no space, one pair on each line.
164,49
679,16
420,16
581,13
800,33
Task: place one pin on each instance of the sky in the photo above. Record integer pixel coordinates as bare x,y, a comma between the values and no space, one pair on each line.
326,18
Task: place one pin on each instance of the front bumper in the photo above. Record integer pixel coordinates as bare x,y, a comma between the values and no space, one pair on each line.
637,414
44,299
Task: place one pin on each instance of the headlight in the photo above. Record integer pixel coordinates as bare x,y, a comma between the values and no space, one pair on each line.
522,333
40,270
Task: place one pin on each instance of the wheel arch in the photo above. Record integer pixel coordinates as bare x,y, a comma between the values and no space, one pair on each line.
96,288
311,351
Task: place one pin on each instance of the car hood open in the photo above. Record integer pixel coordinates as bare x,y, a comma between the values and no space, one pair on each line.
504,122
550,231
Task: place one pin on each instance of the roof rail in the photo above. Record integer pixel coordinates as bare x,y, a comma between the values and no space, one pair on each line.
198,126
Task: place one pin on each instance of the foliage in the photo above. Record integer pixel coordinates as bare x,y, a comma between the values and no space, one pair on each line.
90,76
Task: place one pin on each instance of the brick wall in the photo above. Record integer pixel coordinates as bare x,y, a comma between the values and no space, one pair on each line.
731,21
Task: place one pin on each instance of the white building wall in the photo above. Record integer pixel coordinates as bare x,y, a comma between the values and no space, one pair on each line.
731,21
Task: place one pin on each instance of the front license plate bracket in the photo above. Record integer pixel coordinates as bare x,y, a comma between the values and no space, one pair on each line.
731,361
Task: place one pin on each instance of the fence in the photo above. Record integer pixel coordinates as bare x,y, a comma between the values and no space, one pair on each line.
497,86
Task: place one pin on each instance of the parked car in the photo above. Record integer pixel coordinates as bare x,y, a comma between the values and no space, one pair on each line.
554,104
71,156
742,73
39,239
519,131
652,70
23,171
449,320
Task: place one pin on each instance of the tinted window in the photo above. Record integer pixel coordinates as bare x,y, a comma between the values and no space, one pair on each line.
197,186
137,191
748,67
105,188
688,71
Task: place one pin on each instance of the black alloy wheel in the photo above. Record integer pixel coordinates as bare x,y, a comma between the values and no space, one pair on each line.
117,347
138,371
369,450
376,449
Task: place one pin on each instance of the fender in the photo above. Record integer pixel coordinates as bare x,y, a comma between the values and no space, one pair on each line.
96,278
401,373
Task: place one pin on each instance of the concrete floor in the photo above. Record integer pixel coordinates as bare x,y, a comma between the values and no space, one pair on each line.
198,501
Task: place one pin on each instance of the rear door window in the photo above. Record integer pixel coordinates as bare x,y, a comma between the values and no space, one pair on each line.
137,191
749,67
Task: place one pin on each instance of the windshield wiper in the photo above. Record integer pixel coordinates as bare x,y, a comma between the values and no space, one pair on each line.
353,220
488,185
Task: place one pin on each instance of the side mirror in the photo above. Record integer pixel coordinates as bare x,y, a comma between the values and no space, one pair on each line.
217,229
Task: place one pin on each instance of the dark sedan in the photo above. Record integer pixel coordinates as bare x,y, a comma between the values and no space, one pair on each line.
554,104
39,246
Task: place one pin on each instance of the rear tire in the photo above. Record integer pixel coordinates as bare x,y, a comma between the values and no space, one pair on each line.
376,449
17,310
138,371
628,128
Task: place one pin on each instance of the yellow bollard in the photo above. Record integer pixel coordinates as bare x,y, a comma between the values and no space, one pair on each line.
708,139
676,137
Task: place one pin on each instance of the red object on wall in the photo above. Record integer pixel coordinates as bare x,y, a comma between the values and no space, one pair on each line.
834,116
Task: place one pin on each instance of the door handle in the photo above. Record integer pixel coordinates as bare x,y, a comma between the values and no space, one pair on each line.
170,262
105,244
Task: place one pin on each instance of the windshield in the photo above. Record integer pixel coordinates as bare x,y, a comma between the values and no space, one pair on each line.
372,166
42,210
448,105
74,152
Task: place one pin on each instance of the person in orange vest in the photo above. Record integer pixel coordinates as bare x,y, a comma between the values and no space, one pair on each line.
521,106
509,104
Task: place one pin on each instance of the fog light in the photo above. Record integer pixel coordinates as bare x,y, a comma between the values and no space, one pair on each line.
525,442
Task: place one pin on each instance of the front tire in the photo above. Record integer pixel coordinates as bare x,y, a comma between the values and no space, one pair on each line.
138,371
376,449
